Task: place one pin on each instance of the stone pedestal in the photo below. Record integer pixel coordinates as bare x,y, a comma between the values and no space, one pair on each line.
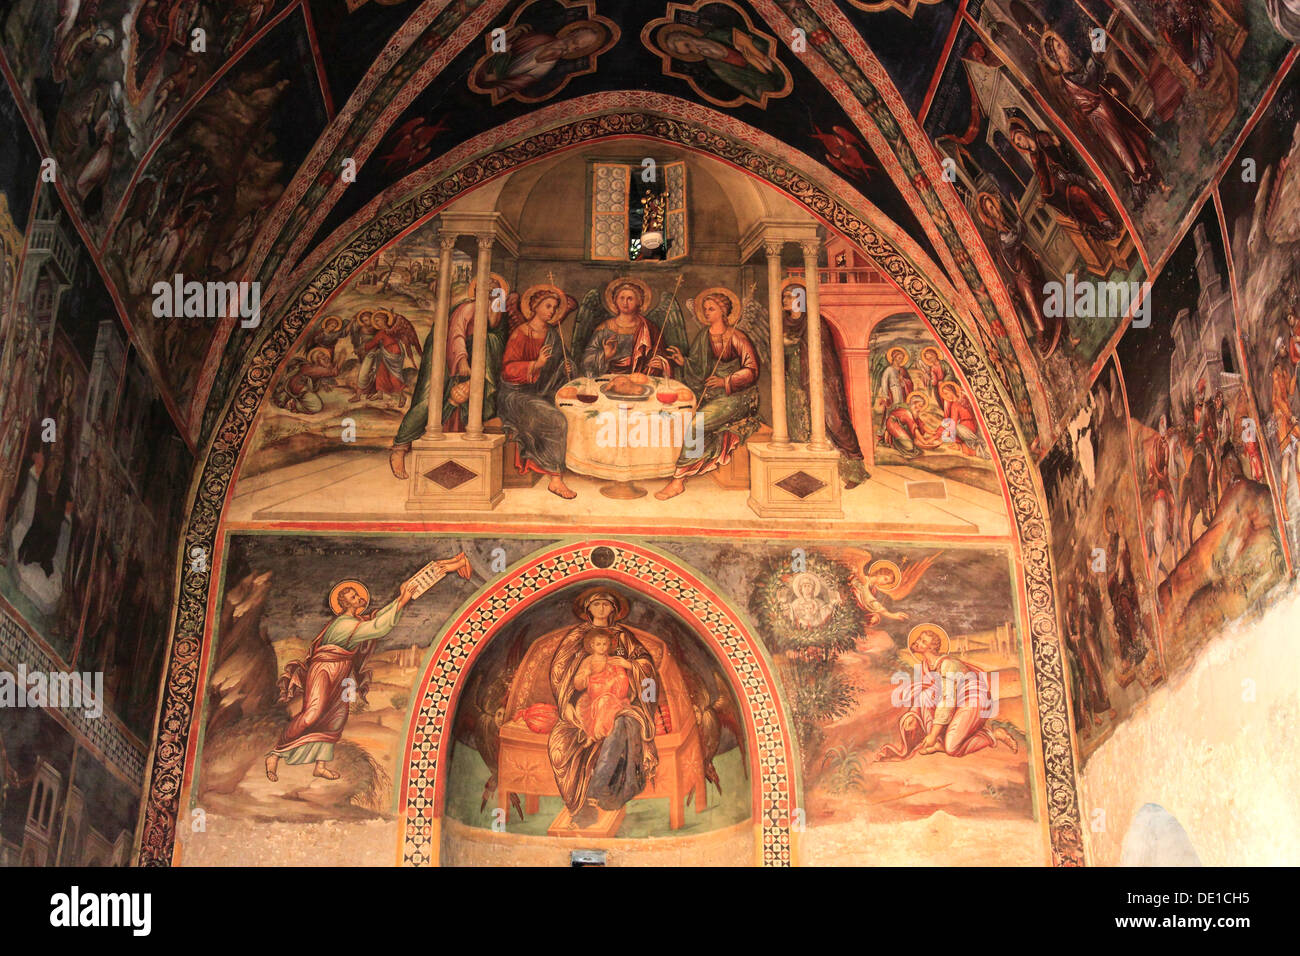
455,474
793,481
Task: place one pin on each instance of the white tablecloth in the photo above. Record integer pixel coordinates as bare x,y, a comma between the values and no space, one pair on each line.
622,438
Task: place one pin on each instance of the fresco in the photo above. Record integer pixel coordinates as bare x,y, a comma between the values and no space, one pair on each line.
107,78
1154,92
1042,211
1260,207
1209,530
1108,605
195,207
719,526
923,416
596,711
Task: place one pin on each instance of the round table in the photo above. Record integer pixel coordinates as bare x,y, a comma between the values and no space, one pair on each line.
626,437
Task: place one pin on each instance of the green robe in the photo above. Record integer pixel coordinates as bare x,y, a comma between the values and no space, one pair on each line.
416,419
725,421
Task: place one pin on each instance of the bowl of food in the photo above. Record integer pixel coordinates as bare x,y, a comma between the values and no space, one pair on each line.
568,392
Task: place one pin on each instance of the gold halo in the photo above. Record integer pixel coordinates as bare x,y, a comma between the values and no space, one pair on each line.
883,565
331,324
931,350
339,588
496,279
923,628
382,323
697,303
580,603
946,387
647,297
319,350
889,356
808,575
526,300
686,28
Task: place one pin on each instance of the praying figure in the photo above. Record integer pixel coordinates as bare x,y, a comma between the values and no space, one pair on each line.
948,706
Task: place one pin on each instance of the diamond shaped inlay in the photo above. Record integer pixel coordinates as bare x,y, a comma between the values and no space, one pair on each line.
450,474
801,484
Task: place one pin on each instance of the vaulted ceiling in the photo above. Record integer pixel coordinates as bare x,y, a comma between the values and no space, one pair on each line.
256,149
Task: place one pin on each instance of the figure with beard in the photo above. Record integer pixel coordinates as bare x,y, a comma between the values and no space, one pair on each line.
601,748
839,423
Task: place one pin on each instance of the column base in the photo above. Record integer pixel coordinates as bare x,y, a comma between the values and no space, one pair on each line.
455,474
794,481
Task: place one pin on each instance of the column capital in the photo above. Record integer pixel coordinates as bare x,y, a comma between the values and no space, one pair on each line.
810,247
447,241
773,247
485,239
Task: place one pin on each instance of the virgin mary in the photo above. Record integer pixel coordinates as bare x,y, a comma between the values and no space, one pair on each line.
602,747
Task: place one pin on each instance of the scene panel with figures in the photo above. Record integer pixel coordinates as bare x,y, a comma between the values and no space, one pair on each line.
1041,210
1260,193
106,78
1108,605
922,415
195,209
282,597
622,345
903,672
595,711
1155,92
1209,528
63,356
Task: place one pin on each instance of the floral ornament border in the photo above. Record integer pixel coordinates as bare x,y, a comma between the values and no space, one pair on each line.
176,730
769,739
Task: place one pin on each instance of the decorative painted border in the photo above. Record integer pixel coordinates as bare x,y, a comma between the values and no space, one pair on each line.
176,730
658,577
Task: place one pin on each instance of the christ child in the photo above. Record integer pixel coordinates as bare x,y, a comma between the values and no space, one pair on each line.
605,683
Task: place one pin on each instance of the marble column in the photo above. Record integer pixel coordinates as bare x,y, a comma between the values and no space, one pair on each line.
478,361
813,329
437,356
776,328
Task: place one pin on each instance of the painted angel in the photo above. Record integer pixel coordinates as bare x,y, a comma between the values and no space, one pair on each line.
874,581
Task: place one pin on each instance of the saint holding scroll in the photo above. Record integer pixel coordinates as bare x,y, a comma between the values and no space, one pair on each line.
334,672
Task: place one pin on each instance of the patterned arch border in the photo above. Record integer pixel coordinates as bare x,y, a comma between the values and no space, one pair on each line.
173,745
660,578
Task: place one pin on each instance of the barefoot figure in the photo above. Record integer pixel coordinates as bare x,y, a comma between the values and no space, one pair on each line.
339,652
947,707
